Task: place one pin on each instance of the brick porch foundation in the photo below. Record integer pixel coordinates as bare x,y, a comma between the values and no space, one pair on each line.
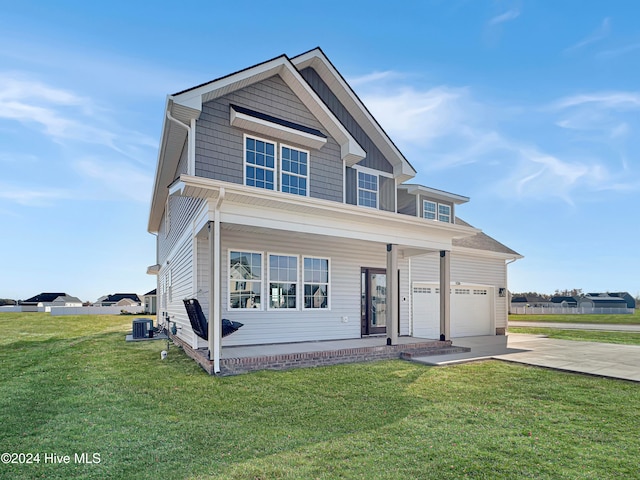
285,361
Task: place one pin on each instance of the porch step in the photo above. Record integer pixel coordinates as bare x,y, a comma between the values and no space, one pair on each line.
428,352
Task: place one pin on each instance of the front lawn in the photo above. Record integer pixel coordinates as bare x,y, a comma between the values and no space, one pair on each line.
628,319
72,385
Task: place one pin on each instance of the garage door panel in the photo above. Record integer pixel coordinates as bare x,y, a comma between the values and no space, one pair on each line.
471,310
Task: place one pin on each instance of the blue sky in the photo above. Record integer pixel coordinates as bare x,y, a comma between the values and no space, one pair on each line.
532,109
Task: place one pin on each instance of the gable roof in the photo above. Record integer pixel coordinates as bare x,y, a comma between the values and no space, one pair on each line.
316,59
68,298
44,297
186,105
116,297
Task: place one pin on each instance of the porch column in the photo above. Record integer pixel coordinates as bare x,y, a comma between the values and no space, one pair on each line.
445,294
215,331
392,294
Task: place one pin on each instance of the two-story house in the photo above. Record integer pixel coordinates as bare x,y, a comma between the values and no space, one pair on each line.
281,203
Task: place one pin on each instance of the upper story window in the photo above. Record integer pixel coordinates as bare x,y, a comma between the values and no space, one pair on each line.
429,209
294,170
260,163
444,213
436,211
263,169
367,190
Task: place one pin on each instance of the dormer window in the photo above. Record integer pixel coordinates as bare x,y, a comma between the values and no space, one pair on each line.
444,213
367,190
436,211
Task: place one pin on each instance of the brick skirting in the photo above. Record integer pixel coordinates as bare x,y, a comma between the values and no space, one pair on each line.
285,361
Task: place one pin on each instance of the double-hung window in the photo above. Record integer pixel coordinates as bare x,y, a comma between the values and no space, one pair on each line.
260,163
294,167
245,279
287,171
283,281
316,282
429,210
444,213
436,211
367,190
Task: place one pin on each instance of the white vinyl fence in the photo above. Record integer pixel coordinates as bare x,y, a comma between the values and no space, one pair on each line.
568,310
56,311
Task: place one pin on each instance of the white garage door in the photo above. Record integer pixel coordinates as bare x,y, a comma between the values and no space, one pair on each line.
471,310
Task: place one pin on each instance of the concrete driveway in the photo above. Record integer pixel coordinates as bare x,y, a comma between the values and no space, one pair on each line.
601,359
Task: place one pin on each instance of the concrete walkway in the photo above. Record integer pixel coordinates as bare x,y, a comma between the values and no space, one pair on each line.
602,359
578,326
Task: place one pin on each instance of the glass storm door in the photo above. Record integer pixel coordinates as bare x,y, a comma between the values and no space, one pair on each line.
374,301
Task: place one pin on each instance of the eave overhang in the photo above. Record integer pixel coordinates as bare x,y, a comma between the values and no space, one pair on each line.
316,59
264,208
414,189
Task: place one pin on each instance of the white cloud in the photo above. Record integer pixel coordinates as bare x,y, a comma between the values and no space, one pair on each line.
617,52
33,197
419,116
599,34
116,179
618,100
504,17
64,116
442,128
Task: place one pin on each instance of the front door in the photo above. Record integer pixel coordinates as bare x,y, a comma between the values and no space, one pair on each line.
374,301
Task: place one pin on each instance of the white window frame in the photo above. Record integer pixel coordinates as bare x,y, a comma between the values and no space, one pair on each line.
444,215
268,285
437,211
245,164
328,284
282,172
229,279
367,171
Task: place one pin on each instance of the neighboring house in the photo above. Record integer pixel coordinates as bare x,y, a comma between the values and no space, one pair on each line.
150,302
280,202
44,299
602,300
564,301
119,299
47,300
631,302
67,301
537,301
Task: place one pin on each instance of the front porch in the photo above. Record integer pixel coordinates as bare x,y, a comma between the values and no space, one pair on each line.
283,356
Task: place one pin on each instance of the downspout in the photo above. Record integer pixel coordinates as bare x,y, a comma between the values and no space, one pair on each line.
215,290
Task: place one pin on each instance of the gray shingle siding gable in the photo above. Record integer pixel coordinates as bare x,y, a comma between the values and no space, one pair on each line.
219,146
374,159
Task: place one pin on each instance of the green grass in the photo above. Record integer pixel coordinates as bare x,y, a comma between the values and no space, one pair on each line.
629,338
633,319
71,384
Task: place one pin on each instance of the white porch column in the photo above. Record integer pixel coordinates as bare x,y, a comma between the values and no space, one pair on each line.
215,330
445,294
392,294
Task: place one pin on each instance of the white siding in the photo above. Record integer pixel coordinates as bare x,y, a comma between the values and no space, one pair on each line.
347,257
467,269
